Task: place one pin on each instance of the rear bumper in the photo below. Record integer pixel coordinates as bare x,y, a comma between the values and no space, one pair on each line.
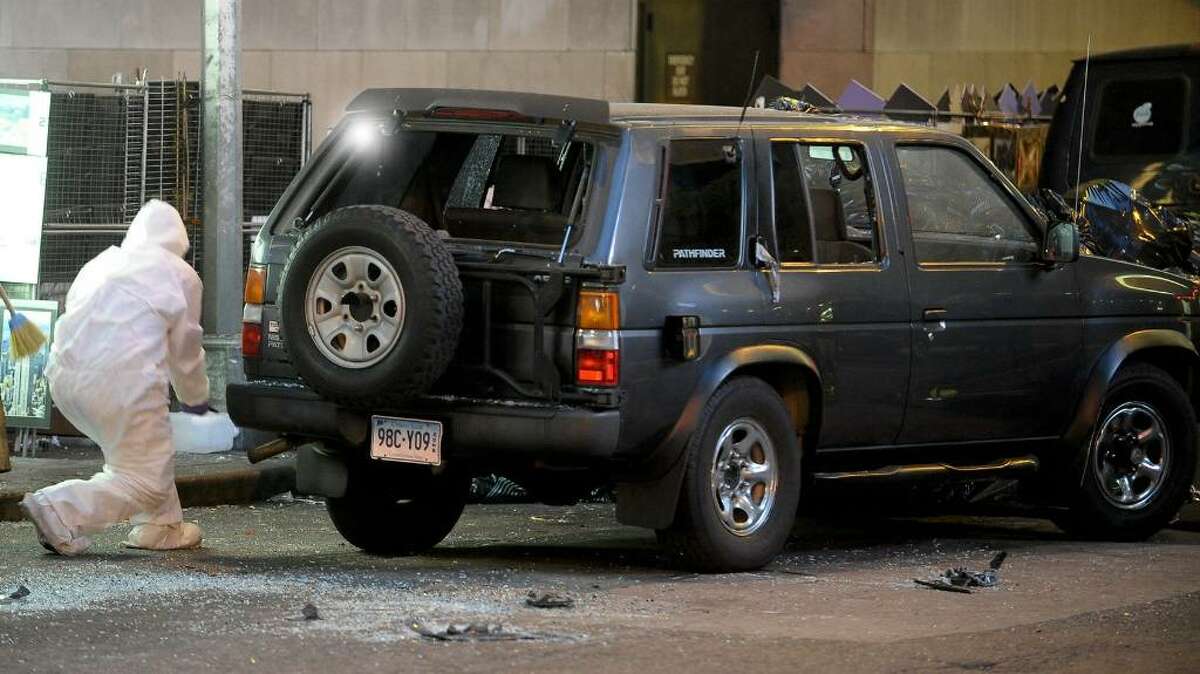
472,429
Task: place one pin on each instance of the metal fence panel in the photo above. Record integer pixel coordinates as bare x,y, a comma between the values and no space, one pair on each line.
85,157
112,147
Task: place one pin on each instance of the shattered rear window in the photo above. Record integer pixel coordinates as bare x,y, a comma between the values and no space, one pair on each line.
511,188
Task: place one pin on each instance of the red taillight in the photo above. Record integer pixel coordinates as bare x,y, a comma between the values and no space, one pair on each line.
596,367
251,340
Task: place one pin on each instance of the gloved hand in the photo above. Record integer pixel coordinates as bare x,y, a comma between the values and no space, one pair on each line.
202,408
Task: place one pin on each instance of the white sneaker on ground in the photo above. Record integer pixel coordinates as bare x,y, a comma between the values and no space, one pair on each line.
181,536
51,532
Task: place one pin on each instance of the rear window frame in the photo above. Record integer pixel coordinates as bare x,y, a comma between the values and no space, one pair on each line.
604,140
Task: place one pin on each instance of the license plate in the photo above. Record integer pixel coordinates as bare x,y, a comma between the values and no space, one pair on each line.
407,440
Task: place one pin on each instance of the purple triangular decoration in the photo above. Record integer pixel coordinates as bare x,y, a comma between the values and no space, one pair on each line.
1008,101
858,98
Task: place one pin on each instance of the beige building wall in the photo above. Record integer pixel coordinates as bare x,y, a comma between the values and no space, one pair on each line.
935,44
333,49
826,43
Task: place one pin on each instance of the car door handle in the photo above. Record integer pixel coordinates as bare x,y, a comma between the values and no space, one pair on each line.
934,314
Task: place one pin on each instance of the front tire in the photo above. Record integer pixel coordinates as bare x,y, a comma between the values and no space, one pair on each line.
1139,461
742,481
395,509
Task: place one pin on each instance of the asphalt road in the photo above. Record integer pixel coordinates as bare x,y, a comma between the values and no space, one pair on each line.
840,599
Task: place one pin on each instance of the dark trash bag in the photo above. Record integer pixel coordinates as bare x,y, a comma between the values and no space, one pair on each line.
1116,222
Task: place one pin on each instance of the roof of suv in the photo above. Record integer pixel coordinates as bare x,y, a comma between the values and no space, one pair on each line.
590,110
675,112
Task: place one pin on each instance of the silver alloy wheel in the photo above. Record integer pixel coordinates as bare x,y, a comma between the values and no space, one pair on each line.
354,307
745,476
1130,454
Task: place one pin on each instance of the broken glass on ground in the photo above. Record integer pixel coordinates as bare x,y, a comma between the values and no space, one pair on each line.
16,595
548,600
960,580
477,631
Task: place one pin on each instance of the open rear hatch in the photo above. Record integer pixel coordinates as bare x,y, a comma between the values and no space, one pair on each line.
509,183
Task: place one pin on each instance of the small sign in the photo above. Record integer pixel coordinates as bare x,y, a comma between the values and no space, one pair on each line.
681,76
23,178
24,389
24,129
24,121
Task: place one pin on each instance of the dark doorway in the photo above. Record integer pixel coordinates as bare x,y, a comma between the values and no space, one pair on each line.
694,51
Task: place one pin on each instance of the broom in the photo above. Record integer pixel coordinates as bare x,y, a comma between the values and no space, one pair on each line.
26,337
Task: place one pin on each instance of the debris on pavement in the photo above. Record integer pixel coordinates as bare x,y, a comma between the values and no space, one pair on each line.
796,572
986,578
16,595
289,497
959,579
310,612
548,600
477,631
941,585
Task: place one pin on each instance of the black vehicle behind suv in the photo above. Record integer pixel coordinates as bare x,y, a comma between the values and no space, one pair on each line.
710,311
1138,112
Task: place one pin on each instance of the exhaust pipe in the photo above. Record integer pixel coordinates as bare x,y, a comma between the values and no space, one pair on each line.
267,450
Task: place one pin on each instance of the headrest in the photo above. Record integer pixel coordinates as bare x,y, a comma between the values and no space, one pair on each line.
526,182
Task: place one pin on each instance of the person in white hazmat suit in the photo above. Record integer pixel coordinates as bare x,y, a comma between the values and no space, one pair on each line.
131,326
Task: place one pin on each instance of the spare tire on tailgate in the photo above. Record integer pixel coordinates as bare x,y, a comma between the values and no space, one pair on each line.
370,305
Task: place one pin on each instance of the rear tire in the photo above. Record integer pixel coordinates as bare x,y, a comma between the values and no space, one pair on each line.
393,509
742,481
1139,461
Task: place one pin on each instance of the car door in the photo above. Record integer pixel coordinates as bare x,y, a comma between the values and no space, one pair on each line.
842,295
996,332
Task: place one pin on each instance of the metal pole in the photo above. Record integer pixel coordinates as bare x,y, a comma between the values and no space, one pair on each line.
221,131
145,143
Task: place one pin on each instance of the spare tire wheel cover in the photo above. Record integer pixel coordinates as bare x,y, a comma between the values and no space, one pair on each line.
370,304
354,307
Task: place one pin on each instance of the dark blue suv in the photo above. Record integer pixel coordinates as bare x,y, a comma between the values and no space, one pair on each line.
710,311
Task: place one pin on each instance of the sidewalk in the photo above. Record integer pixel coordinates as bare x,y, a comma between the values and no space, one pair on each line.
202,479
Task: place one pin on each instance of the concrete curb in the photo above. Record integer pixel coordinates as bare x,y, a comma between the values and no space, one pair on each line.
226,487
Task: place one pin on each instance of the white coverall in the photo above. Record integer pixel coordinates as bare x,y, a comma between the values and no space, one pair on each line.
132,323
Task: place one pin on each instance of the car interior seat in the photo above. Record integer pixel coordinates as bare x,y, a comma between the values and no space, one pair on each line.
832,245
525,205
